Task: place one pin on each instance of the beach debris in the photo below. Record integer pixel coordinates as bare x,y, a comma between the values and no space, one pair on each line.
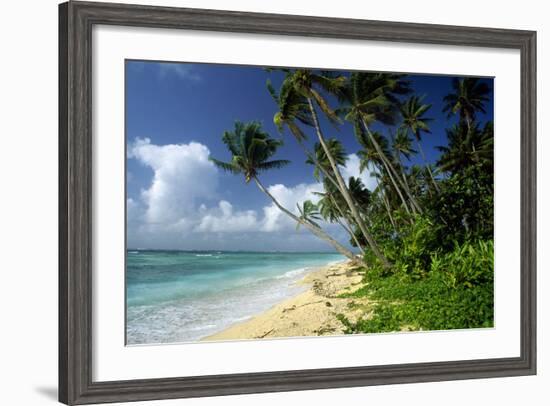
266,334
287,309
324,330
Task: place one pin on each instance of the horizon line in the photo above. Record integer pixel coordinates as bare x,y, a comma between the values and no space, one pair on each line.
226,250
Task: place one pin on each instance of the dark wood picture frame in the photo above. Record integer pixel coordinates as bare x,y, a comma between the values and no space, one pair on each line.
76,20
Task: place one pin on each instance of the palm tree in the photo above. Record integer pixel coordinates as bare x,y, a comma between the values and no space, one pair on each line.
359,192
293,108
402,146
308,212
375,151
362,196
331,210
321,162
309,85
332,195
418,179
370,98
252,149
413,112
467,146
369,160
382,193
468,97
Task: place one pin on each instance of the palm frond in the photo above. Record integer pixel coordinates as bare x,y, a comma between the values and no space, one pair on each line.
225,166
276,164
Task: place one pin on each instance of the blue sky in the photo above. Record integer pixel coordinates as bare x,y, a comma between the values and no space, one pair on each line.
175,116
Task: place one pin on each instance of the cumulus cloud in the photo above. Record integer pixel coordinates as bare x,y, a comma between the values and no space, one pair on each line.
175,193
224,219
132,210
182,206
288,197
275,220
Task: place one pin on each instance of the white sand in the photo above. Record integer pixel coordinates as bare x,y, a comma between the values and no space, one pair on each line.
310,313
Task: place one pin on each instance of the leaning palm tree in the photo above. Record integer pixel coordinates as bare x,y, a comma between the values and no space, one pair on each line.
333,200
293,109
308,212
417,180
373,97
322,165
375,151
332,212
359,192
402,147
321,162
381,192
252,149
468,97
310,85
332,205
414,120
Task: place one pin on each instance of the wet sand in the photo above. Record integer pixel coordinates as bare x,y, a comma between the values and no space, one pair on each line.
311,313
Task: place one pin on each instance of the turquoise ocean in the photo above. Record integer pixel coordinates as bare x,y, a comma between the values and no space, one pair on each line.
182,296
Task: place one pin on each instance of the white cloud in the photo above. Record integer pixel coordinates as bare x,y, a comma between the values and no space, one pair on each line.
183,178
180,70
181,208
288,197
352,169
275,220
131,208
224,219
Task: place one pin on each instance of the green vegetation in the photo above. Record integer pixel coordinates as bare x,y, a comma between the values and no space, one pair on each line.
455,292
425,233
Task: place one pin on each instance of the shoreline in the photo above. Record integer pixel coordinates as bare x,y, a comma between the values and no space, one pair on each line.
309,313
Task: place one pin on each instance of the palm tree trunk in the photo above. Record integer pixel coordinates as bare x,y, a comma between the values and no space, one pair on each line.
345,193
406,184
386,204
403,200
384,159
352,235
311,156
468,121
328,176
346,226
333,181
315,230
427,166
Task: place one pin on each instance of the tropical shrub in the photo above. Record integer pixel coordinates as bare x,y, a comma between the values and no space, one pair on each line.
412,252
456,292
464,206
468,265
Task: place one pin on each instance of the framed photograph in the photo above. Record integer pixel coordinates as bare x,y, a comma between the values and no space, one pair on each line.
259,202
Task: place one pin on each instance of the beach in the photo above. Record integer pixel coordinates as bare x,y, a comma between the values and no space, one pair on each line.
310,313
184,296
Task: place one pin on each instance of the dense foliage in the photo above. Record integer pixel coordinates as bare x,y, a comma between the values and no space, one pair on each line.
455,291
425,233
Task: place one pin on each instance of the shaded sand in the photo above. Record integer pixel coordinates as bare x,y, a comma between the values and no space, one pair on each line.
310,313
